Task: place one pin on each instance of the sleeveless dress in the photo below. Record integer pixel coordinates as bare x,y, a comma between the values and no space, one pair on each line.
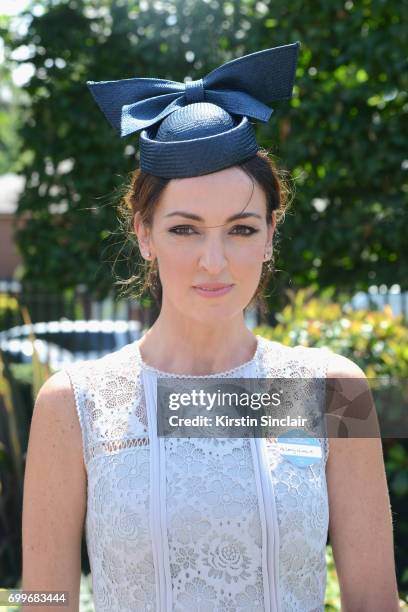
197,524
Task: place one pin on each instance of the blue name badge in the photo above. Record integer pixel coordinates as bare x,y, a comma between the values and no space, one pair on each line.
302,451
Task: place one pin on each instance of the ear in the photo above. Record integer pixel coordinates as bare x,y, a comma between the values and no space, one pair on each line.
271,230
143,236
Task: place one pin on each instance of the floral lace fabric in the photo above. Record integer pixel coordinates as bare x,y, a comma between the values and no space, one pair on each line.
212,538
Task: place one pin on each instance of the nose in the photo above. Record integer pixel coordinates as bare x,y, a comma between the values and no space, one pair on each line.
212,256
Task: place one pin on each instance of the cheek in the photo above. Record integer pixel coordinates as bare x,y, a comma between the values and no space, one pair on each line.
246,265
246,258
176,265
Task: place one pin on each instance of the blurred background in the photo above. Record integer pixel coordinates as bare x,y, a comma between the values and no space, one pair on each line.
341,275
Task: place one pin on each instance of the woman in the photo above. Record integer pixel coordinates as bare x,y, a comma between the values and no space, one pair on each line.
200,523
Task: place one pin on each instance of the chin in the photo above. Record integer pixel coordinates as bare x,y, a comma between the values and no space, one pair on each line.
213,314
207,312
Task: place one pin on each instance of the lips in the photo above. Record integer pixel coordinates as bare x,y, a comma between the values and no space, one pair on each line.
212,290
212,286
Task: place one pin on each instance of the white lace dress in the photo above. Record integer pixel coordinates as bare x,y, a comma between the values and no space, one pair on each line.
196,524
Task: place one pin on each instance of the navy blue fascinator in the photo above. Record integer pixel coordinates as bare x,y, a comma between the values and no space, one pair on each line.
198,127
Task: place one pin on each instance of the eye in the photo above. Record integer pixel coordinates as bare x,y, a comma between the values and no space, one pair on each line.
181,230
246,230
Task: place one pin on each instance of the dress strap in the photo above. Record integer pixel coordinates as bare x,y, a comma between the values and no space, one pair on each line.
83,402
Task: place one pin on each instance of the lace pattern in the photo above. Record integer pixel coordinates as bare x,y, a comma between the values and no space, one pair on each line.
213,530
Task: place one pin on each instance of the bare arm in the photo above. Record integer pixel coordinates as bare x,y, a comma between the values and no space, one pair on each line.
360,523
54,502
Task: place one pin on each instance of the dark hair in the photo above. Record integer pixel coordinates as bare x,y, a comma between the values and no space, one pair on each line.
143,194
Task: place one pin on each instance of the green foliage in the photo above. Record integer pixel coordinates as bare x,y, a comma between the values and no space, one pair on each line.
11,474
9,311
346,143
376,341
332,597
19,387
341,135
10,97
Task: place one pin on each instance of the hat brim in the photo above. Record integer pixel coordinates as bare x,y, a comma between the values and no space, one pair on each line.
198,156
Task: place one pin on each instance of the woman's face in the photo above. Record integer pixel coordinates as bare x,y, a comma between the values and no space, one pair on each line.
196,240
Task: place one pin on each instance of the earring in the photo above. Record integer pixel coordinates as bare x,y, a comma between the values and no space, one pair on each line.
146,254
268,254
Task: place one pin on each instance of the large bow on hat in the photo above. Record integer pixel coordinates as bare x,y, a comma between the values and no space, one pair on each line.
242,86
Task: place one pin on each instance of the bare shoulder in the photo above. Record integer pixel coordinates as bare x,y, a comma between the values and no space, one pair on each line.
342,367
55,411
338,366
58,383
55,440
350,407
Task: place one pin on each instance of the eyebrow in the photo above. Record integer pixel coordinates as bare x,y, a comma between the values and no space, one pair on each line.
198,218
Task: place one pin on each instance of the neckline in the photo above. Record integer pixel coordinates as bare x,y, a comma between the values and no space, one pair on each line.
150,368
